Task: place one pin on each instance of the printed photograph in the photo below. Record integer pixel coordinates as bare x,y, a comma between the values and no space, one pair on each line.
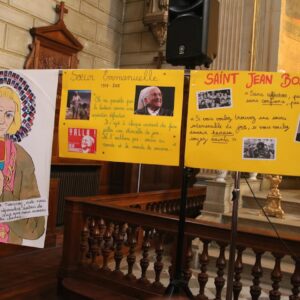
259,148
78,105
82,140
298,131
154,101
214,99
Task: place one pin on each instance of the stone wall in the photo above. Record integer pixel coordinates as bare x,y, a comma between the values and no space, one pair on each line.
96,23
139,47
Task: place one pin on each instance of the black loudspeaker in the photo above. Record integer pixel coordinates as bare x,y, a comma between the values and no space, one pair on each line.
192,37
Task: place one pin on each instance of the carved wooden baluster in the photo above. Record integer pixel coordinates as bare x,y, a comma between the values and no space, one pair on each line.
168,207
97,236
238,268
172,207
161,207
119,240
91,227
131,232
276,277
295,280
157,208
117,246
95,246
158,265
115,236
84,244
154,207
151,206
187,273
203,276
171,268
106,248
148,206
220,264
177,207
112,228
144,262
188,208
102,228
257,272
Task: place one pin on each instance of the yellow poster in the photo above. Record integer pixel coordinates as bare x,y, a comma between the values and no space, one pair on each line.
121,115
244,121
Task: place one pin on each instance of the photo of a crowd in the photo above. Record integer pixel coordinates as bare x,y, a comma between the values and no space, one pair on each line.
214,99
259,148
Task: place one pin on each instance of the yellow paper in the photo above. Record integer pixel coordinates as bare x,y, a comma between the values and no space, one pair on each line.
244,121
101,120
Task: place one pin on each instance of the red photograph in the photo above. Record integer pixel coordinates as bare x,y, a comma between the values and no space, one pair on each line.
82,140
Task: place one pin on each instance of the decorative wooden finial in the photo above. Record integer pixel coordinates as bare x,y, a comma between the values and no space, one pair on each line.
61,10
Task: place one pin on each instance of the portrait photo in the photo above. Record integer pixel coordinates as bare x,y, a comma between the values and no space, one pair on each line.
82,140
214,99
78,105
154,101
259,148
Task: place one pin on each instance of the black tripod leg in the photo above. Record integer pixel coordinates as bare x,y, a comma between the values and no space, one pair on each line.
178,286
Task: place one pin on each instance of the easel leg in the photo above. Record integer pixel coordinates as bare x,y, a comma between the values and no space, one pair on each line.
234,219
178,286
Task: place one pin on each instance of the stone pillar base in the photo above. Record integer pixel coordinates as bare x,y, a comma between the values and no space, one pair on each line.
218,196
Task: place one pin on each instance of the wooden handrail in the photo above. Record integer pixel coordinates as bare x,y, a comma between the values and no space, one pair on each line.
248,236
139,198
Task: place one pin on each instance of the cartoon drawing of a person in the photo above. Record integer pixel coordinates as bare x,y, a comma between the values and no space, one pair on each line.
17,172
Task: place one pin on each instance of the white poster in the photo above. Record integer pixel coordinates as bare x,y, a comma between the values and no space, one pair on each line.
27,108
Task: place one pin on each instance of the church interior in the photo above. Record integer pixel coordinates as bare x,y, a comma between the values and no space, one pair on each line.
112,229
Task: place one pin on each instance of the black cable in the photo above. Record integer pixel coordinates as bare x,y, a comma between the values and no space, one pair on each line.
296,258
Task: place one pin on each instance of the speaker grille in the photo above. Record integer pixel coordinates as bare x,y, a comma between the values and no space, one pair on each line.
192,32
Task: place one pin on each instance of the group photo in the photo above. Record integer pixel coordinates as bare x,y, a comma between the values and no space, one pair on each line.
259,148
214,99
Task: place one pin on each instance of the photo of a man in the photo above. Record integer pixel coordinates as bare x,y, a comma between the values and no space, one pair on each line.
82,140
78,105
87,144
149,101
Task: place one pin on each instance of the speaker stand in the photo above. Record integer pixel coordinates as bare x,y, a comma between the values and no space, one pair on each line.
178,286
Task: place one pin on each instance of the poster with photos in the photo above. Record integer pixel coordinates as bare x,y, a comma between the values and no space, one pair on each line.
121,115
244,121
27,107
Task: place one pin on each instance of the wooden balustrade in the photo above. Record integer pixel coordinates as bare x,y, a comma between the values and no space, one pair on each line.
127,249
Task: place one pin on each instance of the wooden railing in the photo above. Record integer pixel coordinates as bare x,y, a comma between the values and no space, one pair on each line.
104,243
